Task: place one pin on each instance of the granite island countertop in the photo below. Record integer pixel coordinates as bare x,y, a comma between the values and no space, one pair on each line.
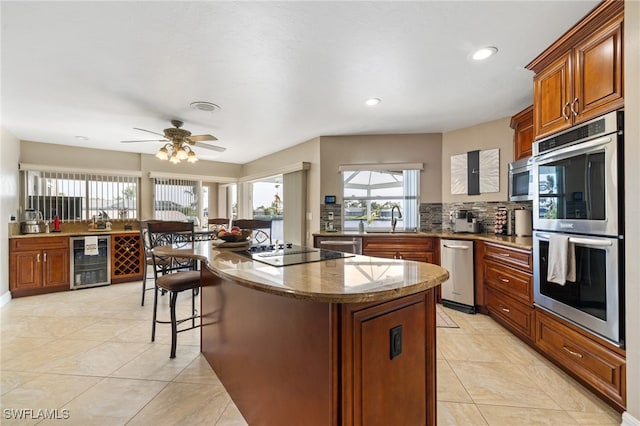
353,279
525,243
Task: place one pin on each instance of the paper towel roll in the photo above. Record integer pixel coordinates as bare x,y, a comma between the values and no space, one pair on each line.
523,223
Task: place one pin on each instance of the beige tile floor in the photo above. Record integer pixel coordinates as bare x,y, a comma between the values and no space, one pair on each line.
88,355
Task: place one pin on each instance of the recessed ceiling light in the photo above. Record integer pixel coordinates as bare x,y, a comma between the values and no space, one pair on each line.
204,106
373,101
82,138
484,53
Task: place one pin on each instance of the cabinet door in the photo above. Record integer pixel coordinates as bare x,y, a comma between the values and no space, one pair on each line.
25,270
56,268
597,75
522,124
552,97
392,376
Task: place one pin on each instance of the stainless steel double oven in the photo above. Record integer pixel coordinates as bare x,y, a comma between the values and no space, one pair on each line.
579,192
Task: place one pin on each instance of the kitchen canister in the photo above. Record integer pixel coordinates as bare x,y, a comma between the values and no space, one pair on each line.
523,223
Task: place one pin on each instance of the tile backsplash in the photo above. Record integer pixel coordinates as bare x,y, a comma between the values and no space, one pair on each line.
434,217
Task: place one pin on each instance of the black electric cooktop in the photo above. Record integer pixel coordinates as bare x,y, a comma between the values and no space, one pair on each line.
289,254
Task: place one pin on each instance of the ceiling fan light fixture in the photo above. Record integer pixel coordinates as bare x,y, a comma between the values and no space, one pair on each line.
192,157
163,154
181,153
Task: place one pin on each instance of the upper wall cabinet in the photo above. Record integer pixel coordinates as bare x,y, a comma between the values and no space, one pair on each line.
579,77
522,125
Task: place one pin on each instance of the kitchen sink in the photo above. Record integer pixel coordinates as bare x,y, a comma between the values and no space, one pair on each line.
388,231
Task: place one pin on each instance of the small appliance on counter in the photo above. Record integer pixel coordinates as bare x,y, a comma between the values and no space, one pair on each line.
523,223
464,221
31,222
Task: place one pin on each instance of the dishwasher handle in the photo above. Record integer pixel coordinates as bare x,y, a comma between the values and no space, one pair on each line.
456,247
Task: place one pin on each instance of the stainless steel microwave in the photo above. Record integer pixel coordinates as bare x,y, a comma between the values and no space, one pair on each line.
521,182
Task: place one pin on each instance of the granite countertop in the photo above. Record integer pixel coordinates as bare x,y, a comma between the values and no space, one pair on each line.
77,233
513,241
350,280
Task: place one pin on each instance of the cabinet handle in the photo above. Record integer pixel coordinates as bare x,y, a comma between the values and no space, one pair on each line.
577,103
507,310
564,114
504,280
576,354
38,258
45,256
504,254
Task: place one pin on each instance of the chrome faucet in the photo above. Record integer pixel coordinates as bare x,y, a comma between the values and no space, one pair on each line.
394,220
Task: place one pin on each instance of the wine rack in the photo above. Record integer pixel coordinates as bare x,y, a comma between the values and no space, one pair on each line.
127,257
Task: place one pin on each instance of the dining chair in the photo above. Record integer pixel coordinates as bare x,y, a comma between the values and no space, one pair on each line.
173,274
216,223
261,229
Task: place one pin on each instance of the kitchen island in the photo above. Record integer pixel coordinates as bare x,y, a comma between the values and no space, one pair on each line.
346,341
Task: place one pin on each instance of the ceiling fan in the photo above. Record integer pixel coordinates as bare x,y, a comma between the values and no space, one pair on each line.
178,143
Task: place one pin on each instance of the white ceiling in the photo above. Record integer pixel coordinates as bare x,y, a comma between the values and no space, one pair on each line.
282,72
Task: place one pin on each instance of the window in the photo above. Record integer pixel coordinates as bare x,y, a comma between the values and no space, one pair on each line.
369,196
76,197
177,199
267,196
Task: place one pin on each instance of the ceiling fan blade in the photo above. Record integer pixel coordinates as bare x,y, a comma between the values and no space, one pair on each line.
148,131
200,138
211,147
146,140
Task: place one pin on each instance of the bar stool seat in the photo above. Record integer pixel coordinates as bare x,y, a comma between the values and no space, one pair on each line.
179,281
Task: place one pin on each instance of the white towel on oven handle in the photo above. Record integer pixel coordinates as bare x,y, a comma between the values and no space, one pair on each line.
91,245
561,265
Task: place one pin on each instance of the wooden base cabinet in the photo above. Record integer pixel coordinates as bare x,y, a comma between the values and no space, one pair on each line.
421,249
596,363
508,280
38,265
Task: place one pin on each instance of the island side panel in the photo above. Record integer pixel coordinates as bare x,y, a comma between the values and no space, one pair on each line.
379,388
276,356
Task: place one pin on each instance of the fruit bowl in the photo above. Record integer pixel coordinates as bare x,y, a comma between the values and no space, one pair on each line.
243,235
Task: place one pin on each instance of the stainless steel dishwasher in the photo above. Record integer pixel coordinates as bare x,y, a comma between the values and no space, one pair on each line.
456,256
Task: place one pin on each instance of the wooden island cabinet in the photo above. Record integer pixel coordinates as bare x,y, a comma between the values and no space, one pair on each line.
347,341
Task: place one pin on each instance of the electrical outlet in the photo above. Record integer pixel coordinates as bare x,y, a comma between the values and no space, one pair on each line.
330,215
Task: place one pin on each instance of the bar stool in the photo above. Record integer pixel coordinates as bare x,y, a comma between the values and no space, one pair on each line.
148,260
173,274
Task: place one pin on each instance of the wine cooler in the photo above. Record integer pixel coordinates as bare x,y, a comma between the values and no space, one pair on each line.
90,261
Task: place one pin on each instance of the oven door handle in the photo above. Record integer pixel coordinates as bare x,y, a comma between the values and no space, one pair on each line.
583,241
572,150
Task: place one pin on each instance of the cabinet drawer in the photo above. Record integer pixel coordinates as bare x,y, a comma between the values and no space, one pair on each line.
600,367
399,243
519,258
513,282
511,313
39,243
427,257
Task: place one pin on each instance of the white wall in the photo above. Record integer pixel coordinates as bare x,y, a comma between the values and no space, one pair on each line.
494,134
632,211
9,155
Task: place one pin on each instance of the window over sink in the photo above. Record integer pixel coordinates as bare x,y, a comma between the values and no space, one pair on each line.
370,193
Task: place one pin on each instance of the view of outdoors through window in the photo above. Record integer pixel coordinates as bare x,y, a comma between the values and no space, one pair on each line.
176,199
80,197
268,204
369,197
